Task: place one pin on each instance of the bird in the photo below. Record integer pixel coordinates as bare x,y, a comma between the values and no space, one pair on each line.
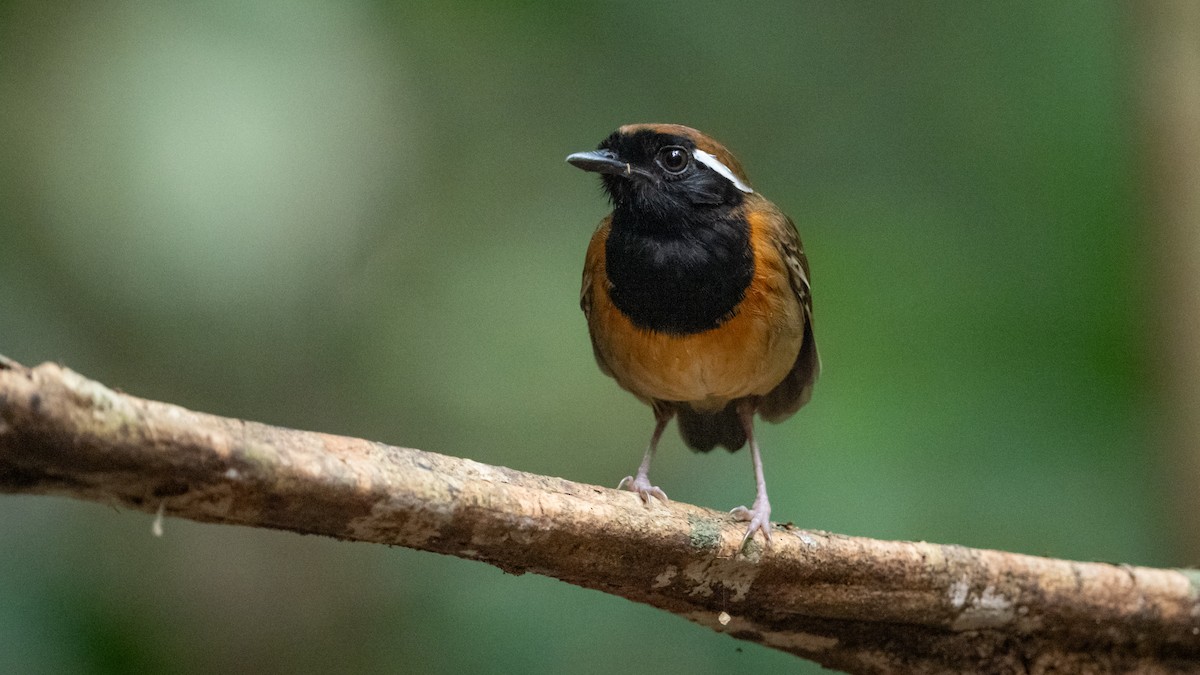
697,297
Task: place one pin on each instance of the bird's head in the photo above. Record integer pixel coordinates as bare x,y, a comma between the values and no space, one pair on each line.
665,173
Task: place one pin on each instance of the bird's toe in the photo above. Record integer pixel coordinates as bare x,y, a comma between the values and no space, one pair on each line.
642,487
759,518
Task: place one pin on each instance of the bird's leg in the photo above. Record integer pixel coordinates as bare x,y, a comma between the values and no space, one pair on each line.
640,483
759,515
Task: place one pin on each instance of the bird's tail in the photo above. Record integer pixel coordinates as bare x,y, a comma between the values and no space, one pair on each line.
704,431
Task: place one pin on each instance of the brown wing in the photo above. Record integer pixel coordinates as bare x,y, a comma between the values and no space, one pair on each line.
796,389
593,268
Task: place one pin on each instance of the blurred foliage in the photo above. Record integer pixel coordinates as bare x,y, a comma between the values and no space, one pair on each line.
355,218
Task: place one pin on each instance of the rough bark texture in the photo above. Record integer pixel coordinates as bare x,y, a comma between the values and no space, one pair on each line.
855,604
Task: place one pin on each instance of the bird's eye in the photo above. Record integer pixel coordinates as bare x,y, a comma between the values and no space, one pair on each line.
673,159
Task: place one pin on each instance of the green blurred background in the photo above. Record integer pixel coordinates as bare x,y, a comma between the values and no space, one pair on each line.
355,217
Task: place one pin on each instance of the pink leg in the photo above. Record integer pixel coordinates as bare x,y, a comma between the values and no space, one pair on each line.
640,484
758,515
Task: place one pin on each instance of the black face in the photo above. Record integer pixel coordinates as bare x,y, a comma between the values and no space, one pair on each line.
662,179
678,254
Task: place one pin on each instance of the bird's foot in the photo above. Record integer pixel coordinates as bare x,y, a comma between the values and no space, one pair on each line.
642,487
759,517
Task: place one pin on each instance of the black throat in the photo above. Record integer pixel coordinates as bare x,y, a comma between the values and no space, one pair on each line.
679,277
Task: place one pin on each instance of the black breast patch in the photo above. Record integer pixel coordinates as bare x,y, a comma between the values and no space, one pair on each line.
679,280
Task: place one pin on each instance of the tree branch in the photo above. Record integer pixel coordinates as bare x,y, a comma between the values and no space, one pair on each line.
856,604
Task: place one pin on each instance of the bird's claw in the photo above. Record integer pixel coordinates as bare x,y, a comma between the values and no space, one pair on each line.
642,487
759,518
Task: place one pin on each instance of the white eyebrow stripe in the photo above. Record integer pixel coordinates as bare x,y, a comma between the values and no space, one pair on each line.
715,164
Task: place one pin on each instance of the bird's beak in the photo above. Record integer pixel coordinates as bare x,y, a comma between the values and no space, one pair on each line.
604,161
598,161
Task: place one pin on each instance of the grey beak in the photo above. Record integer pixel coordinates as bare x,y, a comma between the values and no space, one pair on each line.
598,161
607,161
